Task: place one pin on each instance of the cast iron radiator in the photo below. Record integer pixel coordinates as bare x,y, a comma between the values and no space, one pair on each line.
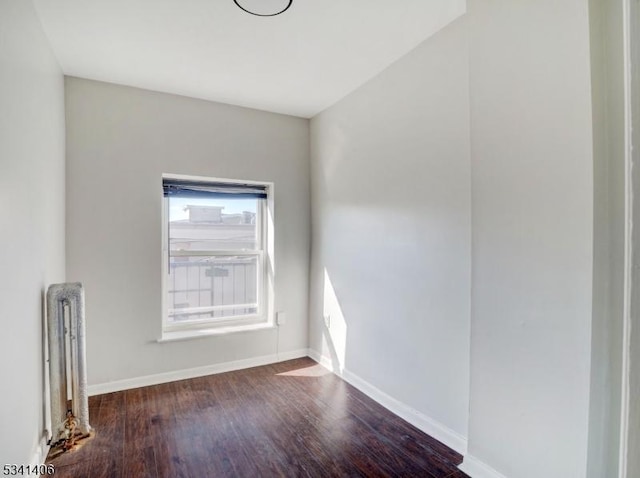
67,359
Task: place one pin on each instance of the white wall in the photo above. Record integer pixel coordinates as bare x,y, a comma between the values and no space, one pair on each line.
32,216
119,142
532,196
633,431
391,233
606,23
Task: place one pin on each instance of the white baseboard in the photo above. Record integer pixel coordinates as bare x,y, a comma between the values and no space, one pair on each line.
40,451
471,465
144,381
427,424
478,469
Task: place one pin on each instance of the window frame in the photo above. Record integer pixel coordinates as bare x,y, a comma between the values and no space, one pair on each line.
264,292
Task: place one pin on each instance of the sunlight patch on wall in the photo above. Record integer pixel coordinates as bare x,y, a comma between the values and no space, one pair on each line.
334,325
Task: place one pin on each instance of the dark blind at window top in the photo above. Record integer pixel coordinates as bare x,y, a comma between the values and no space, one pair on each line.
182,188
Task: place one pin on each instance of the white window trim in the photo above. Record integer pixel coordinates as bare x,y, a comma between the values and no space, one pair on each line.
264,318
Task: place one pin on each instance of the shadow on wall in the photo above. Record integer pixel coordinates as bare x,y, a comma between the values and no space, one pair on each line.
334,326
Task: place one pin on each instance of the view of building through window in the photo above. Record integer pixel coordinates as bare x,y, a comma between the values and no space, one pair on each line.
215,247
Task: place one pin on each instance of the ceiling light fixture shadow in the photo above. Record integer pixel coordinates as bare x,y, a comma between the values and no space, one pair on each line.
263,14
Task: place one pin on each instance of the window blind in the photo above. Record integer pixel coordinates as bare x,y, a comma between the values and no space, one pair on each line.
199,189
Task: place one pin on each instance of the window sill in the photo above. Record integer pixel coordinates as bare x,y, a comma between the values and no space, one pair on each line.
176,335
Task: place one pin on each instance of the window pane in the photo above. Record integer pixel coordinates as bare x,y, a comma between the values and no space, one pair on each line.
209,224
212,287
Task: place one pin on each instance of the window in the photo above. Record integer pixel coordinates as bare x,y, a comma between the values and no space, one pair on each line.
215,253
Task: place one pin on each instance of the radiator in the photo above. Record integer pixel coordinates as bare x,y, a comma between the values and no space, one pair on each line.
67,358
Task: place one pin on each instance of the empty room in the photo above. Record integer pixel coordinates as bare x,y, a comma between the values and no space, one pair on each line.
247,238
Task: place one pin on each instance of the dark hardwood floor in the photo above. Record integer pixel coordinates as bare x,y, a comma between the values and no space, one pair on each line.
288,419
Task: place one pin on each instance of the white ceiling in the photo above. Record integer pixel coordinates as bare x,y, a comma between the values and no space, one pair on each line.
297,63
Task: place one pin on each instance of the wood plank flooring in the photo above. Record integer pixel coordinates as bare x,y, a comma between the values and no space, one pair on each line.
292,419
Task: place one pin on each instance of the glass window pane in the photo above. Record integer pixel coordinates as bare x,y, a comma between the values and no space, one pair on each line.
209,224
212,287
